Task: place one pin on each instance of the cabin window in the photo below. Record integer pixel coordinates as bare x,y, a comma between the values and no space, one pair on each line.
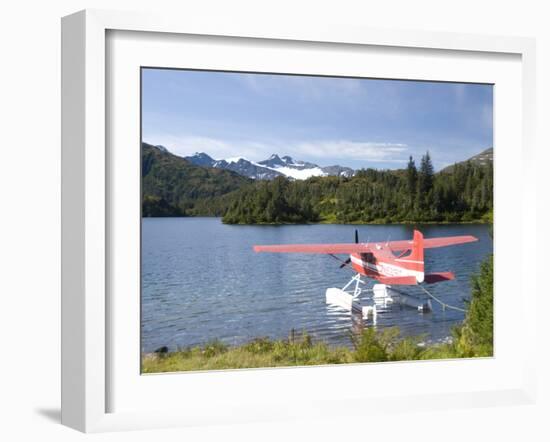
369,257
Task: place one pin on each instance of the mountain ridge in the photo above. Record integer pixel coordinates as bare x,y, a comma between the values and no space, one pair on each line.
483,158
270,168
172,186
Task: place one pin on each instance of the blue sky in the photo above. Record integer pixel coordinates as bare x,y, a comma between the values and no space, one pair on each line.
324,120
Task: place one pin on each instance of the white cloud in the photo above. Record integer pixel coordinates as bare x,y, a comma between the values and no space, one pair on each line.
216,148
354,150
344,150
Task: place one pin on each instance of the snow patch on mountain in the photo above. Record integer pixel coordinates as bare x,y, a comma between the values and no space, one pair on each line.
299,174
271,168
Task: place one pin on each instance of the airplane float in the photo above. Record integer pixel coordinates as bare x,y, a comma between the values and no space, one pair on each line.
391,263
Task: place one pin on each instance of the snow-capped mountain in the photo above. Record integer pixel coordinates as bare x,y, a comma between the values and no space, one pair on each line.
246,168
298,170
240,165
271,168
286,161
201,159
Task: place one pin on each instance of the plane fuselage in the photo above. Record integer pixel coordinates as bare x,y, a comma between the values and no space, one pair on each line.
381,263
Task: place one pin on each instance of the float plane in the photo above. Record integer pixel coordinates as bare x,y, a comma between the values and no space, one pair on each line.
391,263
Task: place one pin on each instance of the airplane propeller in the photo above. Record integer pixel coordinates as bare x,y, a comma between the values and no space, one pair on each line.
347,261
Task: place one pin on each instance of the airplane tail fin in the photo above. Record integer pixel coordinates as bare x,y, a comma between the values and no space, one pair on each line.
417,253
415,260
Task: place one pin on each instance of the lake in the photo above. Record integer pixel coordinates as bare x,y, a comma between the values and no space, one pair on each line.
202,281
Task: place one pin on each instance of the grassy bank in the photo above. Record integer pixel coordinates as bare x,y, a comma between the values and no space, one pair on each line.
369,346
261,352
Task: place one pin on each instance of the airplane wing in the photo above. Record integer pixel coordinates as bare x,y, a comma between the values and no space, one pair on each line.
315,248
430,243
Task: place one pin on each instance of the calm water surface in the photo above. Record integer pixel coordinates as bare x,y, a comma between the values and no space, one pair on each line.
201,281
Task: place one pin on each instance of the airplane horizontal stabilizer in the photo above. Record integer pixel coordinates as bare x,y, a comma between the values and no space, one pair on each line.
432,278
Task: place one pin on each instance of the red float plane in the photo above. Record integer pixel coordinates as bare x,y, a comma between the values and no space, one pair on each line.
378,260
390,263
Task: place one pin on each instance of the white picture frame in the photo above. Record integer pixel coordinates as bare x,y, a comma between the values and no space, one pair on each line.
87,205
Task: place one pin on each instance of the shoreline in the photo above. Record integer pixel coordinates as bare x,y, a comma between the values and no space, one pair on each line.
358,223
301,350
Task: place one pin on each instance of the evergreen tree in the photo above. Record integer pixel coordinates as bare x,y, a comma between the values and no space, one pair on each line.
412,178
426,176
425,185
475,337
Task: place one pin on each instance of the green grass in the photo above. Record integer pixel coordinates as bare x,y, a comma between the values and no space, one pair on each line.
369,346
260,352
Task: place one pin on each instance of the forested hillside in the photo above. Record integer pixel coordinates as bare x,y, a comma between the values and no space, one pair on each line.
462,194
172,186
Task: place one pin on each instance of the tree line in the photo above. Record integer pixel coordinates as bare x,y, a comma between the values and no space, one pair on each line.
462,193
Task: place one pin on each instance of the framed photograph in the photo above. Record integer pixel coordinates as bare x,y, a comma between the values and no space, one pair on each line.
254,214
208,301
